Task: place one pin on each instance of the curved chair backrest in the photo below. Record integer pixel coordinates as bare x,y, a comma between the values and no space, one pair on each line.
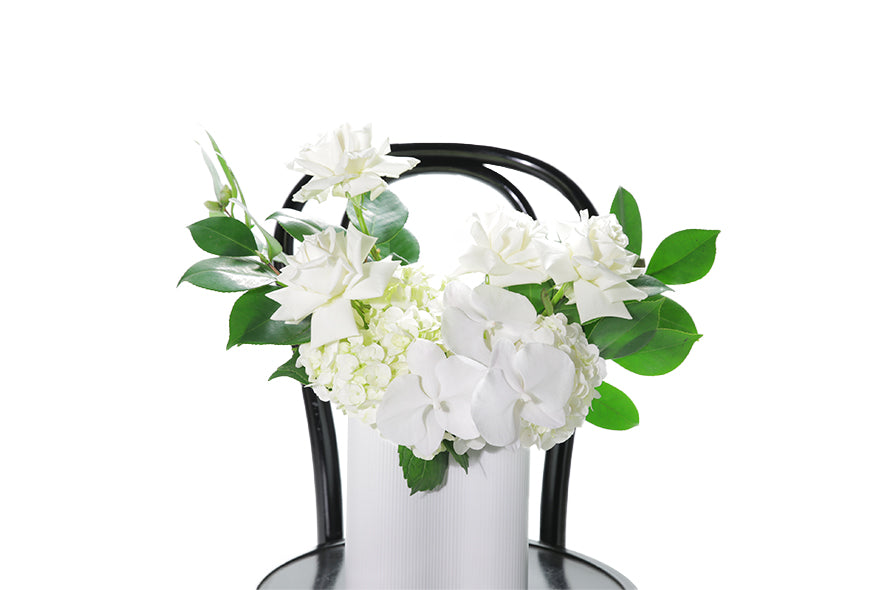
466,160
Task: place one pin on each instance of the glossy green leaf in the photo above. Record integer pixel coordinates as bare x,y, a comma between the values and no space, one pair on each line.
666,351
298,225
569,310
533,292
588,328
627,211
290,369
670,345
674,317
649,285
404,247
384,217
228,274
422,475
618,337
223,236
684,256
614,410
250,323
462,460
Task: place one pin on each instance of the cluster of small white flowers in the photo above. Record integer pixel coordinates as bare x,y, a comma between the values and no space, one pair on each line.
589,373
354,373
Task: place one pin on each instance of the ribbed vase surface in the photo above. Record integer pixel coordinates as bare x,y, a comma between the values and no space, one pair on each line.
470,533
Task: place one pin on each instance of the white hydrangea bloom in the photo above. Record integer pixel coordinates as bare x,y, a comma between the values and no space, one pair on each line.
509,246
345,162
589,374
354,373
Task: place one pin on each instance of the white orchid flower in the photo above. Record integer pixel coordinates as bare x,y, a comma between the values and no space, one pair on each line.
532,384
473,318
344,162
435,398
510,247
598,265
325,274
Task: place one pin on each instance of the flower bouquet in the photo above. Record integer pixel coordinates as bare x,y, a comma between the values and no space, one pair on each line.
507,353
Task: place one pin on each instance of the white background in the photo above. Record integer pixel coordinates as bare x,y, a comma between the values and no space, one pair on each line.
135,452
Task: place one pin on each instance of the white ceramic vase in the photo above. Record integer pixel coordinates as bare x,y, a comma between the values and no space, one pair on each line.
470,533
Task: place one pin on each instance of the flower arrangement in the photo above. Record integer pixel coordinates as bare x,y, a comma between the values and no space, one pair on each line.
510,351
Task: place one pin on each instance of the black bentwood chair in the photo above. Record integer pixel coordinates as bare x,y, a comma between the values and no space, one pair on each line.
551,565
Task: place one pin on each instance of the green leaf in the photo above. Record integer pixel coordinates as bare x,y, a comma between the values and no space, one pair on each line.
289,369
250,323
223,236
228,274
588,327
384,216
421,475
533,292
570,311
227,171
627,211
296,224
674,317
649,285
666,351
684,256
215,178
404,247
618,337
614,410
670,345
462,460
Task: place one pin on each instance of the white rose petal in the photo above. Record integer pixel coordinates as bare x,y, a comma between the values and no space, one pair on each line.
598,266
344,162
324,276
510,247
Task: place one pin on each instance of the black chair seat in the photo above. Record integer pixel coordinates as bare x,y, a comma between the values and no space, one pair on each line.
549,567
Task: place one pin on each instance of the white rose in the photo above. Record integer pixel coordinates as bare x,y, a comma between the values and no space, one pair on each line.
598,265
510,247
344,162
324,276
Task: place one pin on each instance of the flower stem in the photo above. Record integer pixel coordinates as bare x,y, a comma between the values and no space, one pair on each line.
560,293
